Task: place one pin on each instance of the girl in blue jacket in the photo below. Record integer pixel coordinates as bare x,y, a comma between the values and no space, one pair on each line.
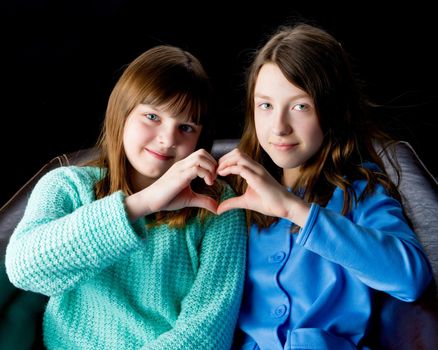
327,227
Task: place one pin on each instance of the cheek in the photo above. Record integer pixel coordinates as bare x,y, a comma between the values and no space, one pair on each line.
188,145
138,133
126,137
261,127
316,136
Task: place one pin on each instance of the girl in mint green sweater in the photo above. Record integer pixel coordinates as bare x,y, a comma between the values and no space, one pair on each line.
129,248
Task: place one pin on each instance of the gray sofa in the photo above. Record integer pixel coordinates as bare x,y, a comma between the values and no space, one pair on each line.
395,325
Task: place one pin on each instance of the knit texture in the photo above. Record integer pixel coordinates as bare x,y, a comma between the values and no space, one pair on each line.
117,285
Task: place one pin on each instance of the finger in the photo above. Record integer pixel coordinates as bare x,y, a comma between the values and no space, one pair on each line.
231,153
204,162
203,155
254,180
247,173
240,159
208,176
230,158
232,203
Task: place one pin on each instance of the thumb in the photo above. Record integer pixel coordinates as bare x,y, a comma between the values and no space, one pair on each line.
231,203
203,201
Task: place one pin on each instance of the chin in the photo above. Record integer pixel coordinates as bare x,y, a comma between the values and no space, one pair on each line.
151,173
286,163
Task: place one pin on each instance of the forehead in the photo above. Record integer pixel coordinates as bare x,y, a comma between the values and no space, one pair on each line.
271,80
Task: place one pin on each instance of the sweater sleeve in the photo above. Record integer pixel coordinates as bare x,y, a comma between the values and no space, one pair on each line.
209,312
374,242
65,236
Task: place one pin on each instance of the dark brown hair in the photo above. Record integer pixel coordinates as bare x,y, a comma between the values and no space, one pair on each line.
313,60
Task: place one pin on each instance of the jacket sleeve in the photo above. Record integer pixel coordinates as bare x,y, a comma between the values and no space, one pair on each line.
209,312
61,241
374,242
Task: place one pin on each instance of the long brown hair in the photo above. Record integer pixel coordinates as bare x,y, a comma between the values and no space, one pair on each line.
313,60
162,76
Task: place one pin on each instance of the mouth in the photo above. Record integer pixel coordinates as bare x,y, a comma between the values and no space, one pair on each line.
158,155
284,146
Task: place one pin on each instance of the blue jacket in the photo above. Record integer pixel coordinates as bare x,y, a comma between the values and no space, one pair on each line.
314,289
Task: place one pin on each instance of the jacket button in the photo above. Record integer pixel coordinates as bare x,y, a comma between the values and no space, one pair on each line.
280,310
277,257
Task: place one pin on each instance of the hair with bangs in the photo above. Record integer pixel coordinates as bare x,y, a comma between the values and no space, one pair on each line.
313,60
164,76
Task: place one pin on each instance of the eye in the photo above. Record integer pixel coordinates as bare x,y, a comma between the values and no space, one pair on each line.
265,105
186,128
152,116
300,107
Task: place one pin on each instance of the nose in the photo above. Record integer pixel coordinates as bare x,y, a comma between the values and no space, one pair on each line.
168,137
280,124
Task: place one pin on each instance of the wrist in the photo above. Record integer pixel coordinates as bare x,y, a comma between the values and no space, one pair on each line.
298,210
135,206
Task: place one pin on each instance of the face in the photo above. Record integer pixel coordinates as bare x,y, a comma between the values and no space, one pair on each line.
154,140
285,118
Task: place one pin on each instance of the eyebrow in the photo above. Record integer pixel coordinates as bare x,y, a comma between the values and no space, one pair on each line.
265,97
295,97
151,107
182,119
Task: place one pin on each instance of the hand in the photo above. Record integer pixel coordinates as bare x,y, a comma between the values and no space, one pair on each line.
264,194
172,190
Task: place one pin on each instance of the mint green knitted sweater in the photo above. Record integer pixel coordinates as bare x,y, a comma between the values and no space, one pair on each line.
117,285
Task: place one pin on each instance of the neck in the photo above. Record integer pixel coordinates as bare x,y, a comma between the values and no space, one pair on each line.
291,176
139,182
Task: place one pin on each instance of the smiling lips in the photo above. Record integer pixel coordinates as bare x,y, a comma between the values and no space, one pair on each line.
284,146
158,156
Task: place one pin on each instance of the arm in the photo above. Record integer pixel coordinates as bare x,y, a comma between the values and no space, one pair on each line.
65,236
374,242
209,312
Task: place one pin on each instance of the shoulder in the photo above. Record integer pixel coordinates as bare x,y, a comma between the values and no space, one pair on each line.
63,189
370,166
74,174
69,178
359,186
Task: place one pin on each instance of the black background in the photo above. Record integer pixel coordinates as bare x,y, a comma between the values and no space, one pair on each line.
61,59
